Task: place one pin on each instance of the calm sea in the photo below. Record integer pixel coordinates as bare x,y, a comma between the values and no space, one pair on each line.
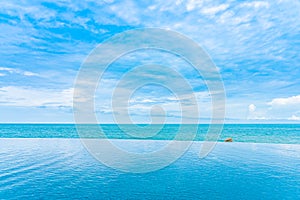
257,133
51,168
48,161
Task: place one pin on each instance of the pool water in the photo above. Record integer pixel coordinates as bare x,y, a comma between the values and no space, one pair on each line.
48,168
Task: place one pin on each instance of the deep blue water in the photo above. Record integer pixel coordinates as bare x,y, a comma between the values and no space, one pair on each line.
258,133
63,169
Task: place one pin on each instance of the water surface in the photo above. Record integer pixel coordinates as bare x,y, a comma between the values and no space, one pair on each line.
62,168
258,133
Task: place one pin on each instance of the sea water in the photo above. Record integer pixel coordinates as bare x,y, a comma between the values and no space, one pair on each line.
258,133
45,168
45,161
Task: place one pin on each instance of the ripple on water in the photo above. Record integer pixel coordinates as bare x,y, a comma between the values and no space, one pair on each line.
62,168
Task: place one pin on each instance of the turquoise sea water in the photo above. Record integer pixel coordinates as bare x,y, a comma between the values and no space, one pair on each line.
48,161
63,169
258,133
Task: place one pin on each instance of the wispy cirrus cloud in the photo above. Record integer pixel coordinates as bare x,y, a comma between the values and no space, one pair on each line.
255,44
256,4
30,97
6,71
215,9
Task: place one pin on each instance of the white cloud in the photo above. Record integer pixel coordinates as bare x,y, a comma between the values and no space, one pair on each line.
285,101
26,73
256,4
226,17
128,11
192,4
235,33
28,97
10,70
214,10
284,108
178,2
260,118
254,114
16,71
251,108
294,118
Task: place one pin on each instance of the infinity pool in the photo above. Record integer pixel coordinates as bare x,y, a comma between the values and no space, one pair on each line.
62,168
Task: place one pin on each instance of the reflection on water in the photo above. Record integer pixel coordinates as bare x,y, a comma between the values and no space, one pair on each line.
62,168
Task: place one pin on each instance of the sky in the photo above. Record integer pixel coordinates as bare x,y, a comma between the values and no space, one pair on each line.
254,44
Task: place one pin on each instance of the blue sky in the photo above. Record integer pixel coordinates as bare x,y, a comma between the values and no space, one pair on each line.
255,45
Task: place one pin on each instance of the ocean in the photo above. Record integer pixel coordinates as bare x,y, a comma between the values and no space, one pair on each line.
257,133
46,161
